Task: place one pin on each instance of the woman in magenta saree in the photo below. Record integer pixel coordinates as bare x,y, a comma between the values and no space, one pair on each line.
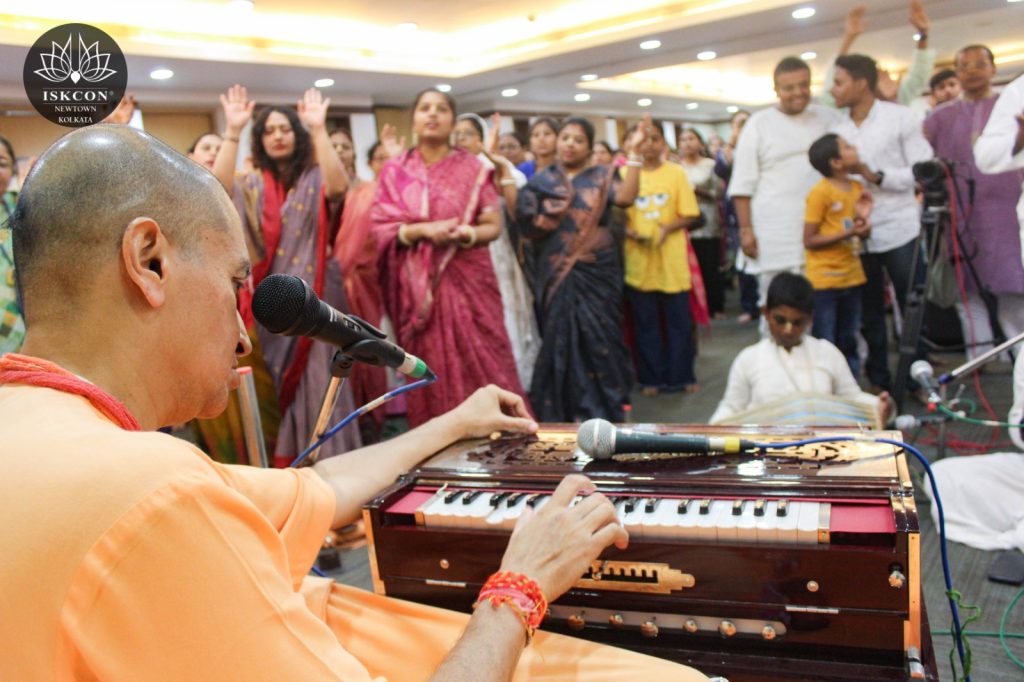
434,214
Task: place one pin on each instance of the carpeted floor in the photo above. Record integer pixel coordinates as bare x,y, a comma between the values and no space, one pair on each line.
718,346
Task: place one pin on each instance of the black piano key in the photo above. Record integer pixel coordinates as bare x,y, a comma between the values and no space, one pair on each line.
630,505
783,508
615,500
683,504
705,506
759,507
649,505
513,500
469,497
497,498
452,496
737,507
533,500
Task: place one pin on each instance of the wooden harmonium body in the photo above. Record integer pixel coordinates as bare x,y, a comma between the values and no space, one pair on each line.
798,564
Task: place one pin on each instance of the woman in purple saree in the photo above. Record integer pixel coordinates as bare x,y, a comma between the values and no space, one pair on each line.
435,212
290,207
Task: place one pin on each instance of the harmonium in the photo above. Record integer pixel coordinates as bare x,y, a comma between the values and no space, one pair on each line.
793,564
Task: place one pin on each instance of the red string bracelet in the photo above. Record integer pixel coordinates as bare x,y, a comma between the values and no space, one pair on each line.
521,594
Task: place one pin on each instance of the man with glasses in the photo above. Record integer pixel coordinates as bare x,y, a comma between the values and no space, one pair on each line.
789,361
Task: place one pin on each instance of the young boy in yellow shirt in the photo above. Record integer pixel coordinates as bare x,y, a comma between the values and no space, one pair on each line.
836,220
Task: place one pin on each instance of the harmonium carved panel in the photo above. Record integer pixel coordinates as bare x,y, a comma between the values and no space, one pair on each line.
796,564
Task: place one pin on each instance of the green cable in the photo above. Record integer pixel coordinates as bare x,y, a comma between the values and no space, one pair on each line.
1002,630
978,422
954,595
982,633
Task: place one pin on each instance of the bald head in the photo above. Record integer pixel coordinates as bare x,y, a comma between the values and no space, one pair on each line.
81,195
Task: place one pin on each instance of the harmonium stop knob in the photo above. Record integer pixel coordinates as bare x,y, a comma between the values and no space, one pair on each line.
727,628
897,579
576,622
649,629
691,625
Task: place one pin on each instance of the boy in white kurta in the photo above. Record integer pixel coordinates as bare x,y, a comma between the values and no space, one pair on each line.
788,361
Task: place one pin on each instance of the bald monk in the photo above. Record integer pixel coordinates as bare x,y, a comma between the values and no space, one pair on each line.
130,555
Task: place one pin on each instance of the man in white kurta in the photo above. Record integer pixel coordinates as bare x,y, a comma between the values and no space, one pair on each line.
772,175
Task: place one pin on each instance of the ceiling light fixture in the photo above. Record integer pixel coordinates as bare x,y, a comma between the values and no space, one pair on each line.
509,92
582,97
161,74
323,82
732,109
443,87
644,102
804,13
588,77
707,55
809,55
692,105
650,45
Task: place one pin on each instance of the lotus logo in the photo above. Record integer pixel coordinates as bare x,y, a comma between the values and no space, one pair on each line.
58,65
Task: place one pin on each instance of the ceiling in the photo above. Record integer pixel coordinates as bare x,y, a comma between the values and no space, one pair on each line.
482,47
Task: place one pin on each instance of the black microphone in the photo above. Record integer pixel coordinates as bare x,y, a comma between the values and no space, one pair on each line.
921,371
600,439
286,305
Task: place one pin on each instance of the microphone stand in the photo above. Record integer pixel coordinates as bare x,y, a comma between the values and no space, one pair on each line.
971,365
341,369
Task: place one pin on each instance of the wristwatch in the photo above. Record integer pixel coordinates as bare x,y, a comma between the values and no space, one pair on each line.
881,177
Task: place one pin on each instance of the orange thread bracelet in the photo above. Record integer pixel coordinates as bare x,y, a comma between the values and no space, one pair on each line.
521,594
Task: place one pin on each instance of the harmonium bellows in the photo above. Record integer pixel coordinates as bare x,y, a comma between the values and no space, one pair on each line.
795,564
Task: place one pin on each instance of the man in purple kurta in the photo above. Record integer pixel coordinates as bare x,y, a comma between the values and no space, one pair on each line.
987,216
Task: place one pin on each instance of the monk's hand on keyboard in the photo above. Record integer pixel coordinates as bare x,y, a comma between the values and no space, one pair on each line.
556,545
491,409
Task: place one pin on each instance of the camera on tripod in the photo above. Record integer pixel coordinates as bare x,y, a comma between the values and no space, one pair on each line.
934,176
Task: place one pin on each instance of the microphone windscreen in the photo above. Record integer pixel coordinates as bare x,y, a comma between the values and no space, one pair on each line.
280,304
596,438
921,372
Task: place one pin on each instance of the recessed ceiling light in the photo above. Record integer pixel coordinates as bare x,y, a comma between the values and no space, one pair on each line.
804,13
692,105
323,82
241,4
650,45
509,92
1013,0
407,26
732,109
588,77
443,87
582,97
917,36
644,102
161,74
809,55
707,55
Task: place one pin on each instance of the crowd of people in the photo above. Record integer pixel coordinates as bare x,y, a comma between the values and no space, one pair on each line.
571,272
545,266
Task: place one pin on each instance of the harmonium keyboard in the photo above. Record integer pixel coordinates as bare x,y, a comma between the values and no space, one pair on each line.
795,564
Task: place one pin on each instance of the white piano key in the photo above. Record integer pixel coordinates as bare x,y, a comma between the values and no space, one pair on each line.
513,511
474,514
633,520
785,528
807,523
746,523
707,524
428,510
767,525
727,524
686,524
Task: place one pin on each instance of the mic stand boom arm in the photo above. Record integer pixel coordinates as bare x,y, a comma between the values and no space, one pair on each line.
971,365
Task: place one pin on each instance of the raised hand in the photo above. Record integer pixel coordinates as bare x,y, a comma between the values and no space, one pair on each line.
312,109
918,17
639,136
237,108
393,145
855,23
493,133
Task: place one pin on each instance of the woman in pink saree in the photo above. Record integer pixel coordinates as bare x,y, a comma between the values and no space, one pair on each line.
434,214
